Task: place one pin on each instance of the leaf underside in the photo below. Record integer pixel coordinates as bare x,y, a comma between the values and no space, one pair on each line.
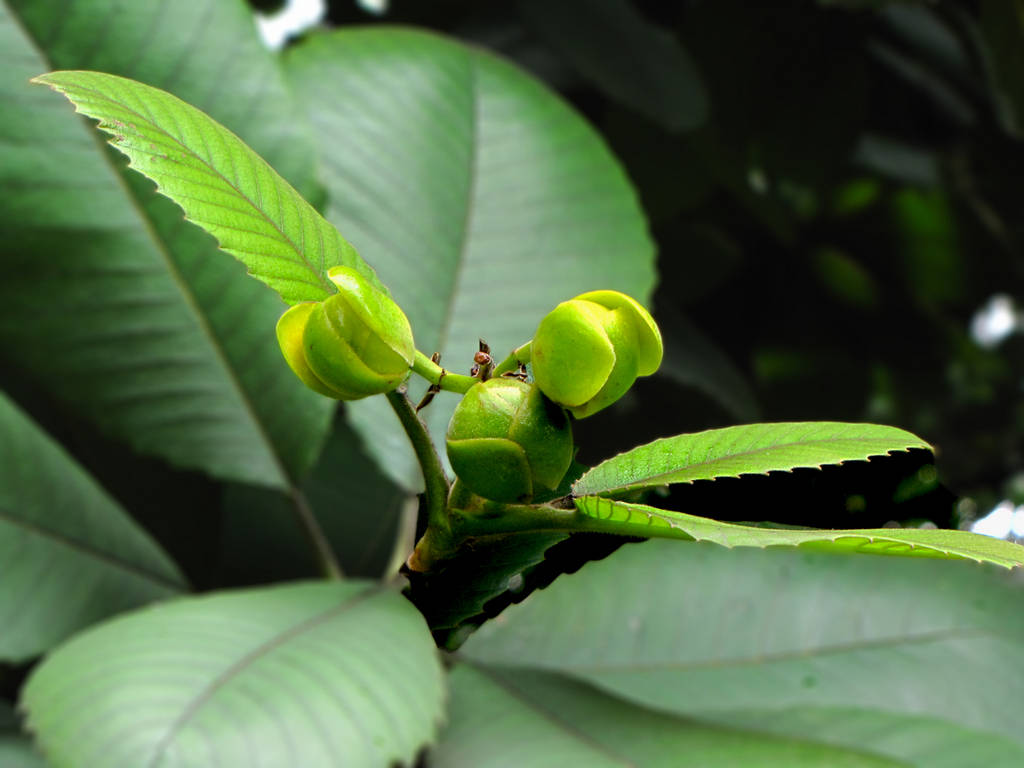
740,450
855,651
503,717
633,518
307,674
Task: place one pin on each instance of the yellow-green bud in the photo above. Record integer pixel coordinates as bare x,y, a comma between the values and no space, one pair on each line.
588,351
506,440
353,344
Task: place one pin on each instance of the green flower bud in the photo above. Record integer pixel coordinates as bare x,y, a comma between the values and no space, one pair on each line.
588,351
506,440
353,344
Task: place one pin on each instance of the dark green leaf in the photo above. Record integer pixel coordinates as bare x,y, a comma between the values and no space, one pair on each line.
316,674
361,513
110,301
70,554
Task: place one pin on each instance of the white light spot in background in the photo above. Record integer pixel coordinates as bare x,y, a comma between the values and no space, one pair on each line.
376,7
297,16
994,321
1003,519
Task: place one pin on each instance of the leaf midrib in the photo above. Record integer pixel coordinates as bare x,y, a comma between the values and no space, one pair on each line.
923,638
471,169
740,454
250,658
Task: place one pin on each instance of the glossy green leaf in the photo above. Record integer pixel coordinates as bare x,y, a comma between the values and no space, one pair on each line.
627,57
222,185
478,195
313,674
635,519
743,450
700,631
70,555
110,302
518,717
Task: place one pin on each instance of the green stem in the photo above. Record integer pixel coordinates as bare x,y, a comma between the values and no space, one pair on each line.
519,355
435,480
315,534
435,374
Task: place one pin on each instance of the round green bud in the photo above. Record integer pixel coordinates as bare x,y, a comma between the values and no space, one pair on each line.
506,440
588,351
353,344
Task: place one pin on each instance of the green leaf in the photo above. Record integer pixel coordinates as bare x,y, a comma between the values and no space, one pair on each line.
110,302
15,749
743,450
70,554
925,742
315,674
700,631
632,60
634,519
478,195
501,718
222,185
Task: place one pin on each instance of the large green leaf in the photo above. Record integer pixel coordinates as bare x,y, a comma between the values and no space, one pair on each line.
70,555
110,301
742,450
315,674
501,718
481,199
700,631
641,519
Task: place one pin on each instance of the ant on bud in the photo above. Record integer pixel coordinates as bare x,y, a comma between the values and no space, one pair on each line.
483,363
